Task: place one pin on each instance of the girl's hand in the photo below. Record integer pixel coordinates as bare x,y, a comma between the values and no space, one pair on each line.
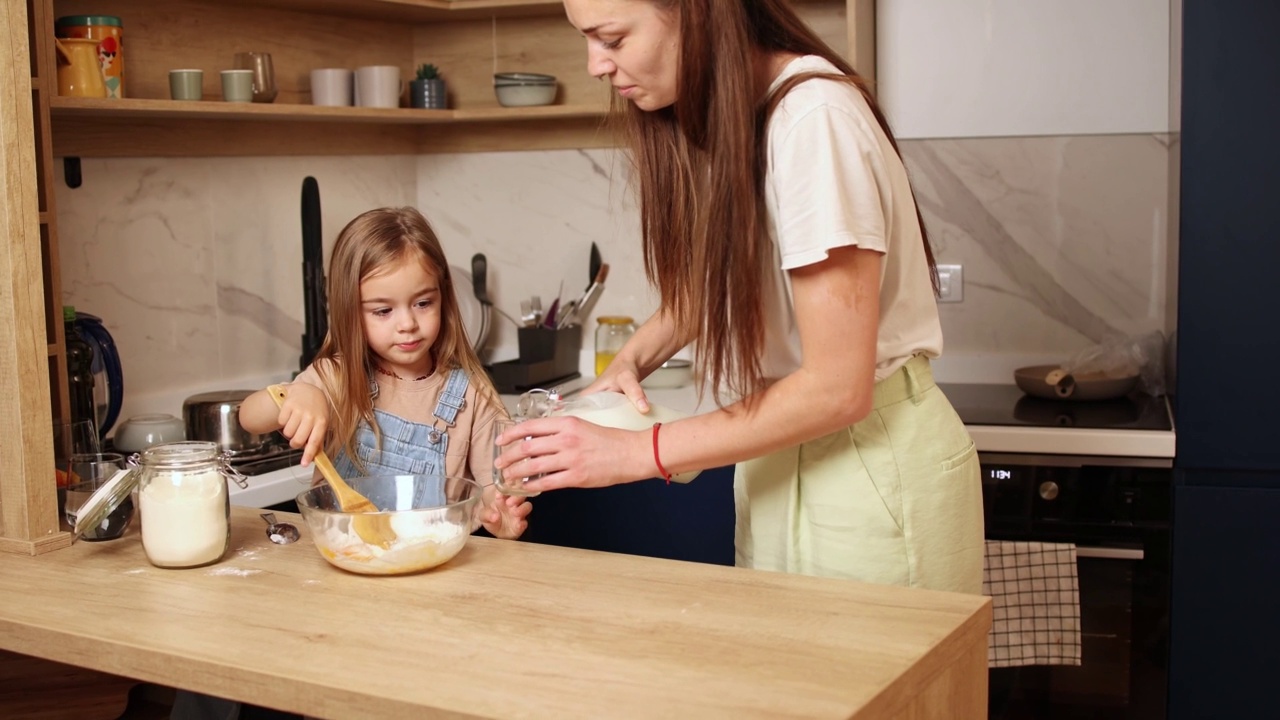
571,452
304,419
504,515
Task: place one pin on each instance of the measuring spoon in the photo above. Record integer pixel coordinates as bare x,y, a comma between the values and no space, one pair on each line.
280,533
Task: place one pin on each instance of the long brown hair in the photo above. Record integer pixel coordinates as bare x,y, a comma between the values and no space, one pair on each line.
367,245
700,166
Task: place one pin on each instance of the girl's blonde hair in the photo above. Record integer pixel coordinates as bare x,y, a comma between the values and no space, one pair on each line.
367,245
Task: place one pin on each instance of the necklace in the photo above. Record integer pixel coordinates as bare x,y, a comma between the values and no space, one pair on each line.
378,369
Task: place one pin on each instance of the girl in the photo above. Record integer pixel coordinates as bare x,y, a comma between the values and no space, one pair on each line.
782,234
396,388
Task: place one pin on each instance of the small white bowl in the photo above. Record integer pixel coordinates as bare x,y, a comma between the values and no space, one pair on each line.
142,431
673,373
525,94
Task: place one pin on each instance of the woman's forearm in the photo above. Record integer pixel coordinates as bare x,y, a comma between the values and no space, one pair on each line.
653,344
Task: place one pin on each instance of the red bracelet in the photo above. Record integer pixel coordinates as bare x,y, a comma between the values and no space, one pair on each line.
664,474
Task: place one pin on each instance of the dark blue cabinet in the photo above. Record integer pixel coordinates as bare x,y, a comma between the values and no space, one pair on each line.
1229,250
1226,541
691,521
1226,586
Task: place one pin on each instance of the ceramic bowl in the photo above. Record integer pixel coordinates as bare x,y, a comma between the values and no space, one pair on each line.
524,89
142,431
432,516
674,373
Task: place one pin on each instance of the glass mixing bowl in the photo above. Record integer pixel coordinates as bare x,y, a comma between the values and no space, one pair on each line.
432,517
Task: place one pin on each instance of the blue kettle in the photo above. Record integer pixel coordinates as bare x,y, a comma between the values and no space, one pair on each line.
108,377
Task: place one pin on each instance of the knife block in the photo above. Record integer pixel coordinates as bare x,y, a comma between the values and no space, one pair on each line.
547,357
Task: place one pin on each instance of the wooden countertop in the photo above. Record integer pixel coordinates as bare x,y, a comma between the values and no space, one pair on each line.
506,629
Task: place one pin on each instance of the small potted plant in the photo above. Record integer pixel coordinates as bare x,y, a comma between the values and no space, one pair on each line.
428,90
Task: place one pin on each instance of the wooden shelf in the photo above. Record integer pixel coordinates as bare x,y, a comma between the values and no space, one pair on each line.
95,127
415,10
218,110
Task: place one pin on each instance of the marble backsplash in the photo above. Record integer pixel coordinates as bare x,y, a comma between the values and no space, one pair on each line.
195,263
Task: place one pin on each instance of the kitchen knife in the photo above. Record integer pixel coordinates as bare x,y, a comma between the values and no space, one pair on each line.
588,302
580,309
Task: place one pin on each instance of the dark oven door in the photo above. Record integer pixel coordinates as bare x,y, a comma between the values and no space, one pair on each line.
1116,511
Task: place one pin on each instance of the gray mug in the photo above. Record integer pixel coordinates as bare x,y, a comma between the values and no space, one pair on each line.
186,84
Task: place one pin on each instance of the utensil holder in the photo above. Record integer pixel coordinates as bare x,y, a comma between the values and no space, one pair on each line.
547,357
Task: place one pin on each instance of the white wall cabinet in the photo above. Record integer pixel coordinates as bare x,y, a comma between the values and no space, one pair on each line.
998,68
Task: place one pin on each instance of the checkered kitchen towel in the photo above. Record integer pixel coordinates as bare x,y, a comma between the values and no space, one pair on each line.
1035,599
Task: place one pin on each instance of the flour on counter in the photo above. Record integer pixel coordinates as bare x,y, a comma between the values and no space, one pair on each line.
240,572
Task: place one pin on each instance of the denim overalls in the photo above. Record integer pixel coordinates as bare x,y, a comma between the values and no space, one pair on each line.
408,448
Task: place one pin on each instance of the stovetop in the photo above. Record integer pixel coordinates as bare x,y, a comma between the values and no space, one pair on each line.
270,458
1006,405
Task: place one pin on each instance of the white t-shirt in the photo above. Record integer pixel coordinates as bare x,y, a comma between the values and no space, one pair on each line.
834,180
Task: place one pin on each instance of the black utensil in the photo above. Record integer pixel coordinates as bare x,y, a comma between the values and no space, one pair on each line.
479,279
315,306
594,266
479,271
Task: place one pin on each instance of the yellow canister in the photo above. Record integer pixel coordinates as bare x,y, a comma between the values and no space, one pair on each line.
109,32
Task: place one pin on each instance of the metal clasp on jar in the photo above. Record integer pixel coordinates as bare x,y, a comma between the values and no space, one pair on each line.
230,473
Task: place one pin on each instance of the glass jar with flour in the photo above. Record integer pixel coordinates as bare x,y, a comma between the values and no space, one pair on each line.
183,498
184,503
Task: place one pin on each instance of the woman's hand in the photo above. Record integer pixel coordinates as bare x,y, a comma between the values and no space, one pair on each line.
570,452
304,419
624,377
505,515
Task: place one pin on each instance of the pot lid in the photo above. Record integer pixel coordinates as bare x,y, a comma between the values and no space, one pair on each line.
218,396
107,498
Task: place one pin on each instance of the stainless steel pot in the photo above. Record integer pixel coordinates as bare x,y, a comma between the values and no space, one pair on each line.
215,417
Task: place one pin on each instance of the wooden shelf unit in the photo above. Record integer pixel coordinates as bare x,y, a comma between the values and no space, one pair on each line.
468,40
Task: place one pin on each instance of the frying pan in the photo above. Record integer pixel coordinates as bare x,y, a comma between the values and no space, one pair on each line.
1050,382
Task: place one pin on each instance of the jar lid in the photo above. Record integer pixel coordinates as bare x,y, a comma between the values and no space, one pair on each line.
615,320
185,452
79,20
105,500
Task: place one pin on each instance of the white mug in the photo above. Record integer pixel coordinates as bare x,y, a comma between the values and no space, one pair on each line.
378,86
332,87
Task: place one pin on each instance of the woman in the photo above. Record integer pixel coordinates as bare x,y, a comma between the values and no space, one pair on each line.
781,232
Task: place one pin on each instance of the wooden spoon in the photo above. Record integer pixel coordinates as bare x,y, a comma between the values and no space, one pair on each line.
373,529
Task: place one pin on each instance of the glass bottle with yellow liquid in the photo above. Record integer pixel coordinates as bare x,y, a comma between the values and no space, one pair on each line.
612,333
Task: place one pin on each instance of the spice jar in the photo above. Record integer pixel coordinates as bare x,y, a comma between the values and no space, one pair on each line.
612,333
184,503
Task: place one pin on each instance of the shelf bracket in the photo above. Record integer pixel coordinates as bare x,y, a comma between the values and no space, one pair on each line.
71,172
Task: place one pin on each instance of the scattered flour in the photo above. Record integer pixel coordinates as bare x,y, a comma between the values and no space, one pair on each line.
241,572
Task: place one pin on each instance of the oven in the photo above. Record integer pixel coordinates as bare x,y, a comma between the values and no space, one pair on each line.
1117,513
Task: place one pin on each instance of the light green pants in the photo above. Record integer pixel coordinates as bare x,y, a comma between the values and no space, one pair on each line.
895,499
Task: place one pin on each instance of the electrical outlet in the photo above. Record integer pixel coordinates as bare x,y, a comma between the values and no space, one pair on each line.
950,283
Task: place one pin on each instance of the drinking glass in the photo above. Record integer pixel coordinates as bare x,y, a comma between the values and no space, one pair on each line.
93,470
71,437
507,487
